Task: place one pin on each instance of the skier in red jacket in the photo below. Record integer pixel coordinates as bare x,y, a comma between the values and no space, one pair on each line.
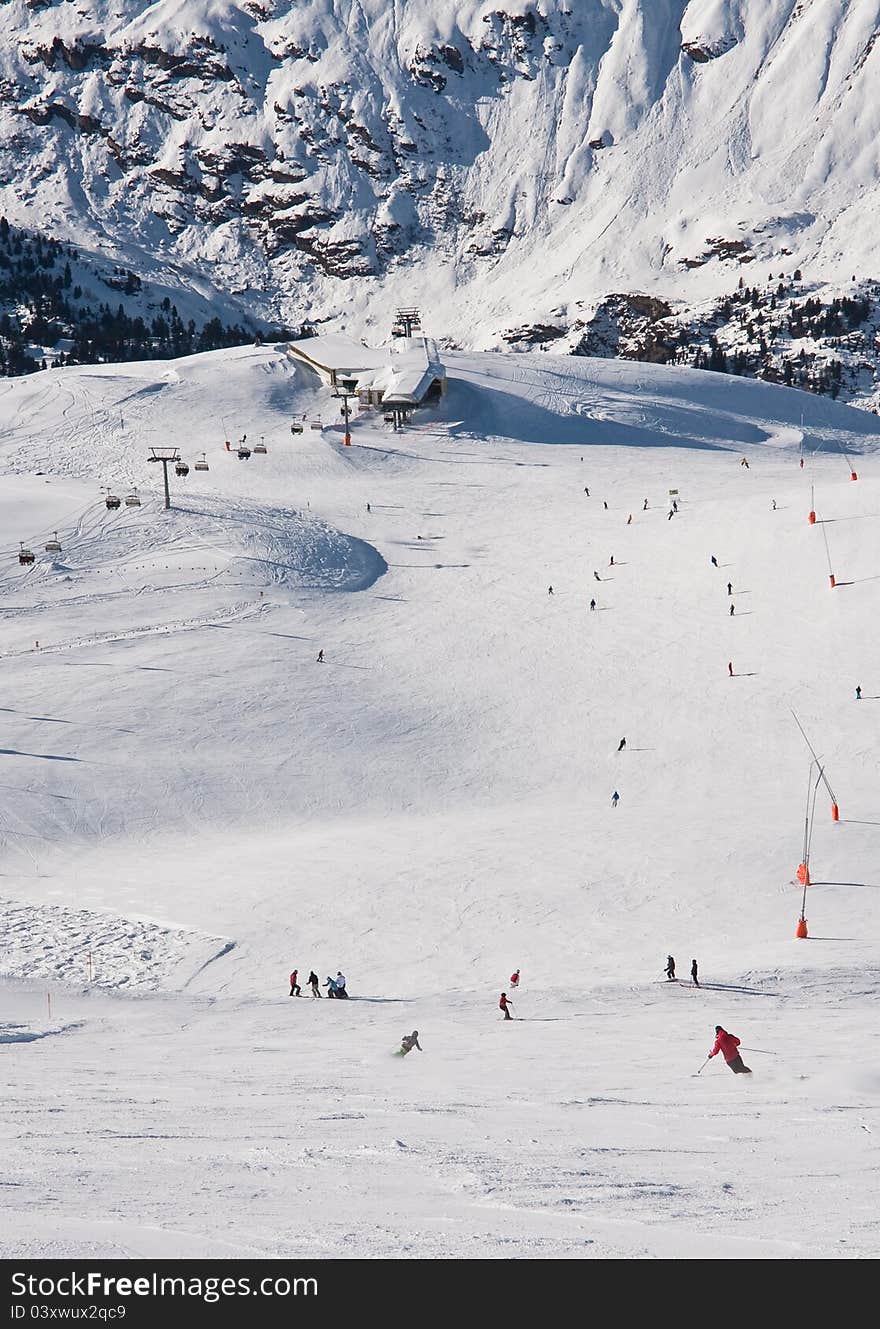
505,1006
514,979
728,1044
295,990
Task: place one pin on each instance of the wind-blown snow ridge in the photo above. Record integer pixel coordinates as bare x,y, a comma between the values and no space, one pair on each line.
82,947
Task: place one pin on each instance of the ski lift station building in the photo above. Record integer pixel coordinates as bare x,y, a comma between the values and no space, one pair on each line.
407,374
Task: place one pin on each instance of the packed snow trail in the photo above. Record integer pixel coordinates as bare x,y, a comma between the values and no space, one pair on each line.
433,803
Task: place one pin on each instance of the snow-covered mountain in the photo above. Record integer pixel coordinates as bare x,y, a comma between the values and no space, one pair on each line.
500,162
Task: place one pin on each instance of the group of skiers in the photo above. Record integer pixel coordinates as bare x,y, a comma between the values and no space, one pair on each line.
725,1043
505,1005
335,986
670,971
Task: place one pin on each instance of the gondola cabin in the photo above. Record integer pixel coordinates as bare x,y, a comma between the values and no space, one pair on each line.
132,500
112,502
181,469
53,546
202,464
296,427
260,447
243,453
25,557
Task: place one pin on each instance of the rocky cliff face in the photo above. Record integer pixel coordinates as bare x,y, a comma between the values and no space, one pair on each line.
500,163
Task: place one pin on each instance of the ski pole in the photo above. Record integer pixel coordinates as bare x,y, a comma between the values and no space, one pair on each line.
764,1051
704,1065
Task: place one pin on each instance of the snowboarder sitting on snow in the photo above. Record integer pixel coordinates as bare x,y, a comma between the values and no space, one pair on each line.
505,1006
670,968
410,1041
728,1044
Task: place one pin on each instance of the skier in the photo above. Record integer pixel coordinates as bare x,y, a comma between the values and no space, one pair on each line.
802,463
331,987
645,506
410,1041
320,659
621,745
727,1044
629,520
369,509
340,984
313,983
773,501
731,611
858,694
670,968
592,604
730,668
611,561
714,561
744,463
675,505
514,979
505,1006
549,590
730,588
615,799
295,990
596,575
671,514
587,491
694,979
605,504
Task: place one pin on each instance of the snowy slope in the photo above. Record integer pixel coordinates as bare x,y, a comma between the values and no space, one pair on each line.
193,805
500,162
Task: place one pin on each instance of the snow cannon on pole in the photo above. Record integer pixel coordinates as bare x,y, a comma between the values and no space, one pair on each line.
848,459
835,807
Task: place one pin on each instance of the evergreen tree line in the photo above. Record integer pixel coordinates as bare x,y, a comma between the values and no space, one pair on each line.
42,304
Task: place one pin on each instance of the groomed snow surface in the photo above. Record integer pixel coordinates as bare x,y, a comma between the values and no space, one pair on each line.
193,805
